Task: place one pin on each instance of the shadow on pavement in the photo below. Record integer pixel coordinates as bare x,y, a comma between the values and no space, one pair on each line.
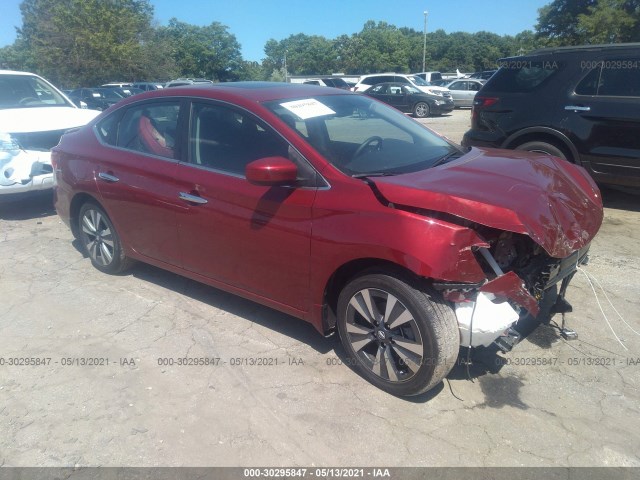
254,312
36,205
621,199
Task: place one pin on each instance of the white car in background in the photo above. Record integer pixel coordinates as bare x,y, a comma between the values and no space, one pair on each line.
367,81
33,116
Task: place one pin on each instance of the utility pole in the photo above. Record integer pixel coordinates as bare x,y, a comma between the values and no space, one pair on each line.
285,66
424,46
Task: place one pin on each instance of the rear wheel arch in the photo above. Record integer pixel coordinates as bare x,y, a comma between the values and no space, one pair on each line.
544,136
74,209
99,239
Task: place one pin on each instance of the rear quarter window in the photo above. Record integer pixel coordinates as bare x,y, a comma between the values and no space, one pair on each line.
520,76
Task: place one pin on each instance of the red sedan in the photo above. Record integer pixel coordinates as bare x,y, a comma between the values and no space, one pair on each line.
334,208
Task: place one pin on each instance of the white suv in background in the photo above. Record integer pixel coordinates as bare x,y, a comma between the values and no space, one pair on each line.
367,81
33,116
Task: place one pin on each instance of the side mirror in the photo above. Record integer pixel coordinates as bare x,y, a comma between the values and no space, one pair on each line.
271,171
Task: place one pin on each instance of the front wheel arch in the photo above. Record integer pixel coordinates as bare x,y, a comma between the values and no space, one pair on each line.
398,333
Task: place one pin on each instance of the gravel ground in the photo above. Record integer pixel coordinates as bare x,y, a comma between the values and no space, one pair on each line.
547,403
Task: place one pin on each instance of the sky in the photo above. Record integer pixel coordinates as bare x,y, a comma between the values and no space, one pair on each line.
253,22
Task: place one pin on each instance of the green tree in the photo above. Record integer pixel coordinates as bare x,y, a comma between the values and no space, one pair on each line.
84,42
611,21
211,51
306,55
558,22
250,71
15,57
576,22
382,47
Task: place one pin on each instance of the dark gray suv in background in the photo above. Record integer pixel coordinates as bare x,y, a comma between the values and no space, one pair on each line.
578,103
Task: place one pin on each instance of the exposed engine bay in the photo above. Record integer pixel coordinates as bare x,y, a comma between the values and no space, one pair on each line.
519,274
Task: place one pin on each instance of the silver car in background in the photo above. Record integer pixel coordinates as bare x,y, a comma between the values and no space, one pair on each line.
464,90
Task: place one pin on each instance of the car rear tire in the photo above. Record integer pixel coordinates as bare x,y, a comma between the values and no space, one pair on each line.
399,336
100,241
542,147
421,110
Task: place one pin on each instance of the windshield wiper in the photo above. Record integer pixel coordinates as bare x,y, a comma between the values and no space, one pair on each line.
373,174
449,156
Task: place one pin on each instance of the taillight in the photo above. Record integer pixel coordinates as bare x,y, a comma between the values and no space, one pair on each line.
484,102
481,102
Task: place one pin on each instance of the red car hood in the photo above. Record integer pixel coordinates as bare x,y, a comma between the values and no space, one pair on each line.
553,201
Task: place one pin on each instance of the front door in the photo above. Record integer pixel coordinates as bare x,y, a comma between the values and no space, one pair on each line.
254,238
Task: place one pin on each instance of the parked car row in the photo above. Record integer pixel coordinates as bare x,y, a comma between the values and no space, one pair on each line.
98,98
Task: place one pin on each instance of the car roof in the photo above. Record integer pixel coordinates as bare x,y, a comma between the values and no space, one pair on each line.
251,91
580,49
15,72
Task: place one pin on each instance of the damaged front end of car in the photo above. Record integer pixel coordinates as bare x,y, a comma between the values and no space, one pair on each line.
519,275
23,170
533,217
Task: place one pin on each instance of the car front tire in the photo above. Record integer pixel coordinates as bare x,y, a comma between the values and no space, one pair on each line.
100,241
398,335
421,110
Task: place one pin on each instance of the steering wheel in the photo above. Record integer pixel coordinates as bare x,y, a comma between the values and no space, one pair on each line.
27,100
363,146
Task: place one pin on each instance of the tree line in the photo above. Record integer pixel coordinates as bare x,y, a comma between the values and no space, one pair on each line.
88,42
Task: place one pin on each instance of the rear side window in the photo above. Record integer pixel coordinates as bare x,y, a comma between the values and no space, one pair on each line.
520,76
336,82
377,80
612,78
620,78
149,128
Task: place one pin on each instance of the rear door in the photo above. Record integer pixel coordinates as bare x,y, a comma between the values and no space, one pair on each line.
135,177
603,116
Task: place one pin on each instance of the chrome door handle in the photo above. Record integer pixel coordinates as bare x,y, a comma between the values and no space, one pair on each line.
192,198
107,178
577,108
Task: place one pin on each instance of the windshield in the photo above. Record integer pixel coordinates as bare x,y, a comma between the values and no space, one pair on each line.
411,89
27,91
419,81
361,136
108,93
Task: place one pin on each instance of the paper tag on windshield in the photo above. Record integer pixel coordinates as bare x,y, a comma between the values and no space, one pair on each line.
309,108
